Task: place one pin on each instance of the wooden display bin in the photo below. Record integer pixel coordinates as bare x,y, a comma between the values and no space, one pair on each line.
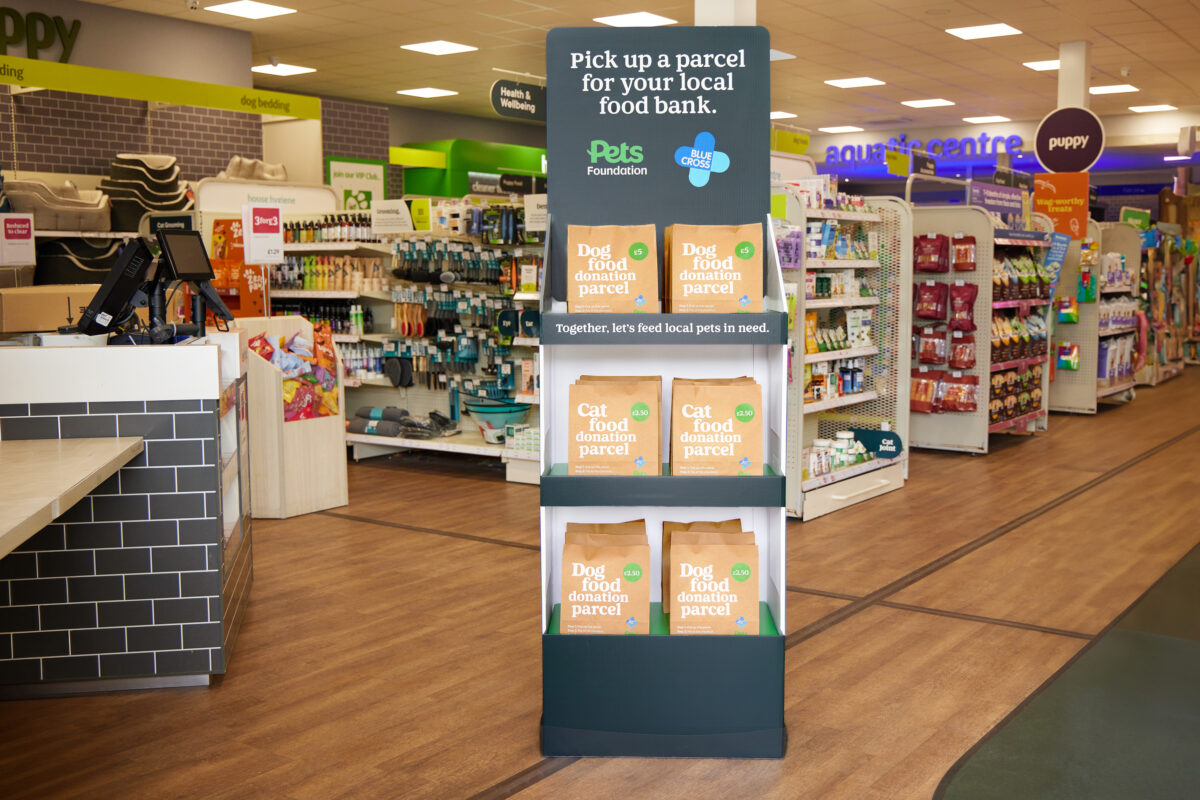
295,467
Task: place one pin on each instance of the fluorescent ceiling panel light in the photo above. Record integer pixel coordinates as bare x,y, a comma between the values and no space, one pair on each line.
426,92
282,70
1177,158
854,83
986,120
983,31
638,19
439,47
782,115
841,129
934,102
779,55
1149,109
1115,88
1043,66
249,9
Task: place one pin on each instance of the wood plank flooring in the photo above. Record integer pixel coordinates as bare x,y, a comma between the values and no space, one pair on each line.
390,648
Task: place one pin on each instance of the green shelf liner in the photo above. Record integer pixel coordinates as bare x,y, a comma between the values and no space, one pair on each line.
660,623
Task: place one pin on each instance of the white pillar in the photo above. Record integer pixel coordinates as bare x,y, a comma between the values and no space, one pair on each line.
1074,66
726,12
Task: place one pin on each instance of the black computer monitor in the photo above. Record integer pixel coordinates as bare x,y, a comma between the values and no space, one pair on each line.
111,304
186,259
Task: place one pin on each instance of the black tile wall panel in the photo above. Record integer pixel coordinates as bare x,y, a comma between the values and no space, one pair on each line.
41,644
23,671
176,506
196,426
148,426
19,618
106,587
97,640
110,486
5,646
150,480
92,535
181,662
199,531
214,609
197,479
14,409
126,665
75,668
18,565
80,512
51,537
199,584
150,587
207,634
175,454
125,613
123,561
173,405
154,637
56,409
68,615
186,609
88,427
149,534
44,590
179,559
118,407
13,428
212,505
121,507
65,563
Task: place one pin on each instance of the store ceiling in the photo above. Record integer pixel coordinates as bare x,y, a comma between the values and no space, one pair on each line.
355,47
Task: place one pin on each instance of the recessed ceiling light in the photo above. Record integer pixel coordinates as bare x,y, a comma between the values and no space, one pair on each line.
1043,66
983,31
1148,109
1115,88
779,55
249,9
1177,158
426,92
841,129
935,102
439,47
854,83
281,70
638,19
782,115
986,120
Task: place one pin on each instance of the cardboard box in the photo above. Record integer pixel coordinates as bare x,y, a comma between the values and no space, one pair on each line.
16,276
43,308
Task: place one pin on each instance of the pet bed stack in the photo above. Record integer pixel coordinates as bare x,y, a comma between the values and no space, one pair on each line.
59,208
140,184
75,260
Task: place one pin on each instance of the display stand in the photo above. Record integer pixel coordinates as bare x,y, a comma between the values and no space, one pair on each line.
883,403
968,431
1165,274
1079,391
297,467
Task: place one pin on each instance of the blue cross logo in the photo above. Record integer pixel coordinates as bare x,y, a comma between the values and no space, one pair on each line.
702,159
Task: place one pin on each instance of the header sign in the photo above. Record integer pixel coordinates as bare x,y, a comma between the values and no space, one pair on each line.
38,32
662,125
1069,140
519,100
1063,197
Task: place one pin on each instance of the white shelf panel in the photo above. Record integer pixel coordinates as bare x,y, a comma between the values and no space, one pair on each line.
346,338
840,302
849,216
312,294
849,472
84,234
834,355
839,402
1111,390
354,383
470,442
382,296
532,398
525,341
367,249
840,263
526,297
1116,331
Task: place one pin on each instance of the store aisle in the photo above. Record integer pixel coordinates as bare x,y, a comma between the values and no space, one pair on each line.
391,647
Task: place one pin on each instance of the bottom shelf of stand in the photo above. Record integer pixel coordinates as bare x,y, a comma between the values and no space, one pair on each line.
660,623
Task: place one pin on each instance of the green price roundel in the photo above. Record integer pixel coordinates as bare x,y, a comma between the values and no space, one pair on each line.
638,251
740,572
640,412
744,250
633,572
744,412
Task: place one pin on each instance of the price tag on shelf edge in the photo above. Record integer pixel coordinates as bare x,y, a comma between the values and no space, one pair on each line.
262,234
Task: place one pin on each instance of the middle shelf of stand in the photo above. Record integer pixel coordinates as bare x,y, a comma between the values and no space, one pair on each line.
838,402
561,489
839,302
834,355
1018,363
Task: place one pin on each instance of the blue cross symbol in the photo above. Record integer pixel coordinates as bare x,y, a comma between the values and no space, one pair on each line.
702,159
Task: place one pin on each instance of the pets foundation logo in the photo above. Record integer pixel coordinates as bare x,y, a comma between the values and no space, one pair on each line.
701,159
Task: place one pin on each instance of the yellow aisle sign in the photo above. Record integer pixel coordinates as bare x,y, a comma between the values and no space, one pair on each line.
783,141
420,213
898,163
151,88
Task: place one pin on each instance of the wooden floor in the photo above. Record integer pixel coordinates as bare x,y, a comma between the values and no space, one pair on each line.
391,648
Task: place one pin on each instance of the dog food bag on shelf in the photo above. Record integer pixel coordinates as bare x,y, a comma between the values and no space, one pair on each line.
615,425
670,529
605,584
635,527
714,584
716,427
612,269
714,269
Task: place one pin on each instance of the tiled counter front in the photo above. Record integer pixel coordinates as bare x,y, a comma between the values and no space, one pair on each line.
128,582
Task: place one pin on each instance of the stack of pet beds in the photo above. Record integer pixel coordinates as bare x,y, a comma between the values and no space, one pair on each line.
139,184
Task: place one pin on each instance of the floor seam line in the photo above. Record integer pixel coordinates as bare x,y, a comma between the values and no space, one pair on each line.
527,777
1008,623
823,593
964,550
434,531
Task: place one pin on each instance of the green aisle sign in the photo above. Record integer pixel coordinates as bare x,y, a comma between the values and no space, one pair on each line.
17,71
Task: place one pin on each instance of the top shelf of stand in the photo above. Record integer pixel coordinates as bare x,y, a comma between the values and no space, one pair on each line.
341,248
849,216
767,328
83,234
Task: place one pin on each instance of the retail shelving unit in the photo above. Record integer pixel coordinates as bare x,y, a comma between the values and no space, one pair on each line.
1165,276
883,403
1079,391
599,690
968,431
